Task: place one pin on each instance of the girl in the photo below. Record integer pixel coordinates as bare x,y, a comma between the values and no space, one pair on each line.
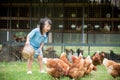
36,38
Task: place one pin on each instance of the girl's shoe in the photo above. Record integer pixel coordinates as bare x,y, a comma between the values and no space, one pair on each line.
29,72
42,71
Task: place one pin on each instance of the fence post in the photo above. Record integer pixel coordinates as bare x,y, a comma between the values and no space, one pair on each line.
88,49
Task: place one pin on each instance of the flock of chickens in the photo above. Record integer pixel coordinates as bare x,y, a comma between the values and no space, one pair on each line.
77,66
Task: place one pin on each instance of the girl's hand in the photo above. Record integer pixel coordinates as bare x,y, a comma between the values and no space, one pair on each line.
39,51
27,41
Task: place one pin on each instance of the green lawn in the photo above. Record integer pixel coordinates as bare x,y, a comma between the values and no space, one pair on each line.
17,71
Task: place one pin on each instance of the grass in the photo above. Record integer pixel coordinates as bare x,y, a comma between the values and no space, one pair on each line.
17,71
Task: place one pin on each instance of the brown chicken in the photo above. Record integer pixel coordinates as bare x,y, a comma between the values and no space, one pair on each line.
88,65
77,69
19,39
50,52
64,58
96,59
102,56
112,67
46,51
56,67
53,69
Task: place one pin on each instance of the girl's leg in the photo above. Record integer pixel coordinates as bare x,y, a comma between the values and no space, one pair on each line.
30,61
40,62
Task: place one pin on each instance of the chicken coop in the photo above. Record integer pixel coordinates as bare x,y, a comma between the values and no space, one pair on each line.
89,25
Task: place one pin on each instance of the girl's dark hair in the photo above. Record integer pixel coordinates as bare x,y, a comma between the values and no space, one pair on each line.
42,23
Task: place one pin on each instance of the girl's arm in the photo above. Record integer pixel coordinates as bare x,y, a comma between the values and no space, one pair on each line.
27,41
41,46
29,36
